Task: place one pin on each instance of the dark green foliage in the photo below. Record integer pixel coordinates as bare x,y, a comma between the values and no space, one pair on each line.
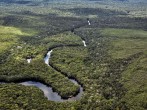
15,71
17,97
95,11
43,25
15,1
4,56
109,82
120,22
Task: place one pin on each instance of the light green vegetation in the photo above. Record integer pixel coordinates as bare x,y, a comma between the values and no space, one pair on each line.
114,85
16,93
70,57
16,67
9,36
123,44
18,97
126,42
128,47
135,80
38,52
124,33
65,38
72,62
111,69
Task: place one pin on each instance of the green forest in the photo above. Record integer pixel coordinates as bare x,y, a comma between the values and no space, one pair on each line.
91,53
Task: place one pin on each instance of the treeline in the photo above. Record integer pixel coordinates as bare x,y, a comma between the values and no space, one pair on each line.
95,11
44,25
119,22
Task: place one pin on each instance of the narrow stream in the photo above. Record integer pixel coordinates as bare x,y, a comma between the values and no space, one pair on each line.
84,43
47,57
89,23
29,60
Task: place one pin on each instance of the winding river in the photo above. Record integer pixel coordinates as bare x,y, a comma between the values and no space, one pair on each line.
48,91
50,94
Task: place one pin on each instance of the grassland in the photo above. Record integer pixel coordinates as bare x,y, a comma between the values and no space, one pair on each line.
9,36
134,79
126,42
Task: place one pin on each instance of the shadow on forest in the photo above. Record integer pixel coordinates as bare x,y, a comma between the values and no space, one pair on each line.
15,1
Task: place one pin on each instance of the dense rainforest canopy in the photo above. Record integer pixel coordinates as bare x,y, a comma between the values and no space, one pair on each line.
87,54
